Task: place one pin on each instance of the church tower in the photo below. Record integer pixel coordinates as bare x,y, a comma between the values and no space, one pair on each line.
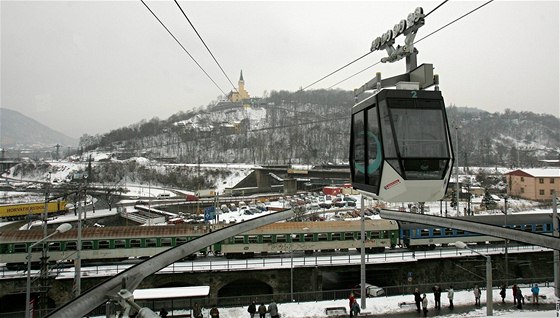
241,93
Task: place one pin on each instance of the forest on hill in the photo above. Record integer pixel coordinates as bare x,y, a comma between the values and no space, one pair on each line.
313,127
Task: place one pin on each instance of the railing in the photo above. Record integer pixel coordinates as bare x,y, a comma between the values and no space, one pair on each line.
287,261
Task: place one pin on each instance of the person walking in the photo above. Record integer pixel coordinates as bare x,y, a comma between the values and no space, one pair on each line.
503,294
425,305
437,297
351,300
252,309
417,299
356,308
520,300
450,294
214,312
535,292
514,290
262,311
476,292
197,311
273,310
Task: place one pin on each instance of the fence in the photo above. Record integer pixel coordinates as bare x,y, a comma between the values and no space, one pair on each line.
286,260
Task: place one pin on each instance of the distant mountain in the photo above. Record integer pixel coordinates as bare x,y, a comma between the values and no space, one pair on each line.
20,131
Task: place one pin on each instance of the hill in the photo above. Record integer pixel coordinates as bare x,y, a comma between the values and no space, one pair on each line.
312,127
21,132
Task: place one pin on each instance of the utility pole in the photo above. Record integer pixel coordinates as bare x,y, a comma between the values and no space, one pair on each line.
506,245
363,290
457,166
44,257
555,233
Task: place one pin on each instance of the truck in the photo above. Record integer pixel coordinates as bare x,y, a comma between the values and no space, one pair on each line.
206,193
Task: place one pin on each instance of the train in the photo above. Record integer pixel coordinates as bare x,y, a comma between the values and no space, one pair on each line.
416,236
121,243
13,212
111,244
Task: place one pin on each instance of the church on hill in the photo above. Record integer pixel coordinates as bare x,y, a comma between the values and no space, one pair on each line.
241,93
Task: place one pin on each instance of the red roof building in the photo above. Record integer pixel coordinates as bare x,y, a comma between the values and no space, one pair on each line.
533,184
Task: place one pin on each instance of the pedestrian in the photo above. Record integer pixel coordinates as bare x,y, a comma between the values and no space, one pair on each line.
450,293
520,299
197,311
476,292
503,294
514,290
425,305
417,299
262,311
437,297
355,308
214,312
163,313
252,309
351,300
273,310
535,292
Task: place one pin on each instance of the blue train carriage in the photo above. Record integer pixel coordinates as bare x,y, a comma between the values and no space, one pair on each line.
312,237
21,211
424,237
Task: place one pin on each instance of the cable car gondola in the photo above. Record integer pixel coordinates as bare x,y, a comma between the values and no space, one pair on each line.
400,145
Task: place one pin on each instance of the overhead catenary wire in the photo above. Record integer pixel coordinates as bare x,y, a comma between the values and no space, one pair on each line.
206,46
184,49
343,67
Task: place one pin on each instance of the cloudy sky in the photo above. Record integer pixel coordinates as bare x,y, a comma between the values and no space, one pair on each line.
92,66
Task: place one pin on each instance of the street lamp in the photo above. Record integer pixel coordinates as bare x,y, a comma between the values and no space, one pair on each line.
506,240
489,302
293,236
457,127
60,229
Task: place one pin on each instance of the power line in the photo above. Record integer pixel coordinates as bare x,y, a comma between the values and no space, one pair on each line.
206,46
184,49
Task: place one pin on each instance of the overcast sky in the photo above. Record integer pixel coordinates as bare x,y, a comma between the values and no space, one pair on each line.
89,67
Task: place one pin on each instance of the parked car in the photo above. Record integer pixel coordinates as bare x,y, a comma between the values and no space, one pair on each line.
324,205
340,204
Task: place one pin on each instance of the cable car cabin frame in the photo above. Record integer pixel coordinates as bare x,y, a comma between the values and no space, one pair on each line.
400,145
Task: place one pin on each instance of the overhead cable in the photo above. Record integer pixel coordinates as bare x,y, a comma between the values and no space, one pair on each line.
184,49
206,46
349,77
459,18
322,78
434,9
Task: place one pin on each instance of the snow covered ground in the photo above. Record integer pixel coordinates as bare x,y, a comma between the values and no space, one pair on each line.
390,305
385,306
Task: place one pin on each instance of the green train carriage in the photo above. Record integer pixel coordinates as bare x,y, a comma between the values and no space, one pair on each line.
110,244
